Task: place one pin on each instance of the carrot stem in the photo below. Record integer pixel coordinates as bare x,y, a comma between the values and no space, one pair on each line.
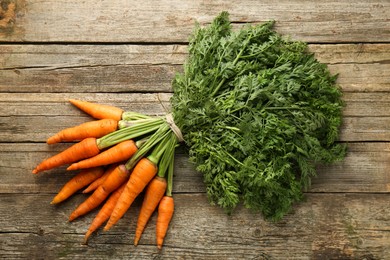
129,123
167,156
170,173
147,146
128,133
160,149
130,116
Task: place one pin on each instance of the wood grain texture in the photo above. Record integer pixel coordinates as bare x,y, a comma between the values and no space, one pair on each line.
149,68
366,115
125,53
364,170
75,21
325,226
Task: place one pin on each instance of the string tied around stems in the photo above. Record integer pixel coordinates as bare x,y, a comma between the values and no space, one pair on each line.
174,127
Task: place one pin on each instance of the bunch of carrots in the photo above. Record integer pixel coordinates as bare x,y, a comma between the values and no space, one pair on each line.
119,155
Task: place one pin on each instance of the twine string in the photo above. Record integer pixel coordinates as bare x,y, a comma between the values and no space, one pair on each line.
174,127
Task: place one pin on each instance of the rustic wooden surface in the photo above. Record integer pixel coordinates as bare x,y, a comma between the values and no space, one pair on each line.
125,53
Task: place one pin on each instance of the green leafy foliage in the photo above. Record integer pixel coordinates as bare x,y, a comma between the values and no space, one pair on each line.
258,112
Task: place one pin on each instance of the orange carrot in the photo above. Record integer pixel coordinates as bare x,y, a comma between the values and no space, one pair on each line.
165,213
111,183
166,205
141,175
154,193
120,152
98,111
95,129
79,181
94,185
82,150
105,212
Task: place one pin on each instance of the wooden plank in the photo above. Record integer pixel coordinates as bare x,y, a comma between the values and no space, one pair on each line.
357,104
325,226
138,21
365,129
39,128
151,68
54,56
364,170
57,104
351,53
366,104
158,78
366,115
112,78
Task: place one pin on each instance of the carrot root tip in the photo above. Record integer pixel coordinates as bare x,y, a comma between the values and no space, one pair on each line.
87,235
70,168
51,141
106,228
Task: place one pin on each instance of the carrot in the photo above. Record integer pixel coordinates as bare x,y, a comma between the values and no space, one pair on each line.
82,150
98,111
154,193
142,174
120,152
105,212
82,179
111,183
95,129
95,184
166,205
164,217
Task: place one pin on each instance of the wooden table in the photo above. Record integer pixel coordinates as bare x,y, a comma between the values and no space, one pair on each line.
125,53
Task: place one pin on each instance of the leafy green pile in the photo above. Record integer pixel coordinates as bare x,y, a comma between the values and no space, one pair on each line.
258,112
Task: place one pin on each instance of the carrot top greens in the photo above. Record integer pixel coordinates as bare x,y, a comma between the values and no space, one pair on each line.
258,112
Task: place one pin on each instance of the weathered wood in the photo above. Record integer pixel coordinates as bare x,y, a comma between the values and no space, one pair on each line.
139,68
325,226
53,56
82,68
88,21
112,78
19,179
357,104
366,104
39,128
364,170
125,53
351,53
34,117
56,104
